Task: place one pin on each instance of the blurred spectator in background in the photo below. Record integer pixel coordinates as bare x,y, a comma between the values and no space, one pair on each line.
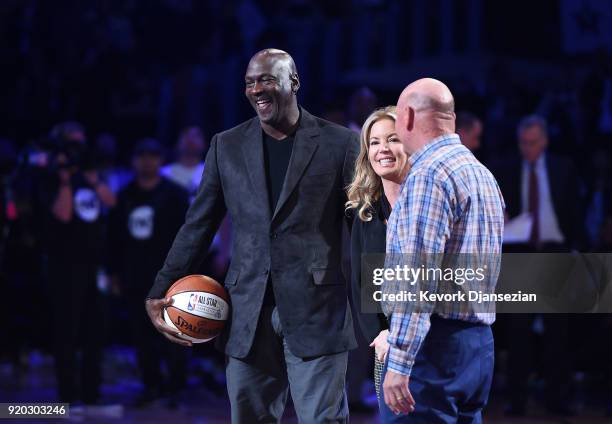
11,287
69,134
469,128
23,251
362,102
546,187
187,173
74,196
187,170
149,212
115,176
8,211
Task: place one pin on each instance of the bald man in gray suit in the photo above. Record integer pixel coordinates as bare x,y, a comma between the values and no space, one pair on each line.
281,178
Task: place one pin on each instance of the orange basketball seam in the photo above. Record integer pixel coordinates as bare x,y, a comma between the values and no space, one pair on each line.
189,276
217,289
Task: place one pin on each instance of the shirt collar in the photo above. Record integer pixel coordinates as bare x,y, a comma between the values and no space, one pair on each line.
431,147
539,163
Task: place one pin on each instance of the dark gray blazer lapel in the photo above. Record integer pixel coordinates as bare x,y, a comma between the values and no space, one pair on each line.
252,149
303,149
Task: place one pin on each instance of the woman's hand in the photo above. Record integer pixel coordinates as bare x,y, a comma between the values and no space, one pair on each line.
380,345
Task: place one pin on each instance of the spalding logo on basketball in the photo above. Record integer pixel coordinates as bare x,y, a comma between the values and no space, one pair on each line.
200,308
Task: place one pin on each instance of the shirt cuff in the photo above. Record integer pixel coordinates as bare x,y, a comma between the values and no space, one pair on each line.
400,361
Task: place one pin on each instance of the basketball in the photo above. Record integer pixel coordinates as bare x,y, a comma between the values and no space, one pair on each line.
200,308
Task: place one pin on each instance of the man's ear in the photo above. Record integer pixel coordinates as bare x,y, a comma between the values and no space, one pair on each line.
410,119
295,82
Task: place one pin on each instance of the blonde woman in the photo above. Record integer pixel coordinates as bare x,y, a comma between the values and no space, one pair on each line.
380,169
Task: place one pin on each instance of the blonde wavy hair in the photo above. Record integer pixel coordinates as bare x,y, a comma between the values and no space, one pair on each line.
366,187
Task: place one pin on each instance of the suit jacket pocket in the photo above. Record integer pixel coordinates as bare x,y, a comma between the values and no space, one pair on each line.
327,276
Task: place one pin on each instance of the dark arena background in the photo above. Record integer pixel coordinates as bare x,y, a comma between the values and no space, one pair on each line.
125,77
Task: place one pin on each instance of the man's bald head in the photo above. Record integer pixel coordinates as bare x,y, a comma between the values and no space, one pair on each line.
426,110
428,94
276,55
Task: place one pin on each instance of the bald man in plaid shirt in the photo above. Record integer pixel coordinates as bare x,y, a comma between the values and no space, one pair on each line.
440,362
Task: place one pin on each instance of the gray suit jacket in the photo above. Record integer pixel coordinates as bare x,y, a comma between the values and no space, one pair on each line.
297,246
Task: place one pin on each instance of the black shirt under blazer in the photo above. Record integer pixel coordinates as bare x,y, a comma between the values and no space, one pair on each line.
297,246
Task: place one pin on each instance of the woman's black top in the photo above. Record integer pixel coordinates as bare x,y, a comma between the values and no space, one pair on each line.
368,237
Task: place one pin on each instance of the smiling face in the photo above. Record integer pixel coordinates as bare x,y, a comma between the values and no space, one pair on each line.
270,87
386,152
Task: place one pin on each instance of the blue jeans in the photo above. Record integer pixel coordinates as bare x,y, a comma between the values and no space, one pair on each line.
451,376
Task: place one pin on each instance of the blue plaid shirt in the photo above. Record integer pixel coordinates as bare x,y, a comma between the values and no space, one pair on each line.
449,204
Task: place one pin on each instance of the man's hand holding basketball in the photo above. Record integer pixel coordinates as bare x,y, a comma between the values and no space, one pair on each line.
155,310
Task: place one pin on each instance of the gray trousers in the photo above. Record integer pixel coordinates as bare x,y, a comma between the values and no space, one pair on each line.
258,385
